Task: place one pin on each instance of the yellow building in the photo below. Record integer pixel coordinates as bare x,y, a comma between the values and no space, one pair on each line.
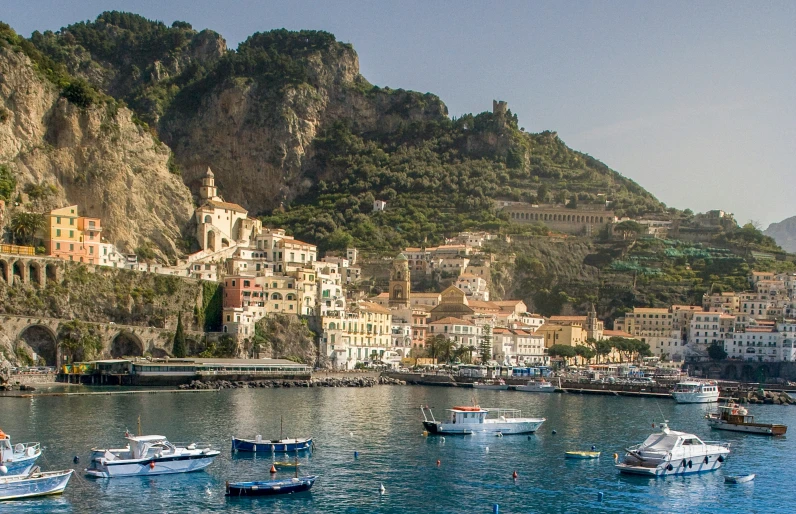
72,237
566,334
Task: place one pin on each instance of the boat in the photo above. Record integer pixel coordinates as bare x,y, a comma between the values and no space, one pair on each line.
17,459
472,420
286,464
149,455
34,484
696,391
271,487
669,452
281,445
537,386
495,385
739,479
581,455
735,418
258,444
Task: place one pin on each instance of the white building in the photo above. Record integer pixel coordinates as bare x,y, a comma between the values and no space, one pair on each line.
474,287
379,205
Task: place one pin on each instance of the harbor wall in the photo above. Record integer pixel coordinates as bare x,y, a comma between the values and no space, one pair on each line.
744,371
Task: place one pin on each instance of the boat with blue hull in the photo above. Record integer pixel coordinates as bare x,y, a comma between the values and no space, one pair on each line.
17,459
258,444
271,487
149,455
34,484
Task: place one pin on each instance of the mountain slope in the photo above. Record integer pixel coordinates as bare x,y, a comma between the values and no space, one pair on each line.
65,144
784,233
294,132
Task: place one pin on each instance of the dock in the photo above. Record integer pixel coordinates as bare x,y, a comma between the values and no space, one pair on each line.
108,393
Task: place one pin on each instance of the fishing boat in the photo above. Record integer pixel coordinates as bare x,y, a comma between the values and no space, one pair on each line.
537,386
696,391
280,445
581,455
669,452
17,459
739,479
472,420
34,484
287,464
149,455
271,487
495,385
735,418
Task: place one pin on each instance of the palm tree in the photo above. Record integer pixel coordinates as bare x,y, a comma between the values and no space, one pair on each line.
24,226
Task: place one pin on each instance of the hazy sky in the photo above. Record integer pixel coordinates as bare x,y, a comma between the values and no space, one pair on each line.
696,101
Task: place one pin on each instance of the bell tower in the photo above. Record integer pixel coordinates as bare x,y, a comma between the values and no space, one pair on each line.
399,282
208,190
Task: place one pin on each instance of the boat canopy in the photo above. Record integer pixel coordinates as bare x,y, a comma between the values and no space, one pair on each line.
664,441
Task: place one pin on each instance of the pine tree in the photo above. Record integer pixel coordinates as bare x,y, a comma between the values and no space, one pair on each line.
178,349
485,348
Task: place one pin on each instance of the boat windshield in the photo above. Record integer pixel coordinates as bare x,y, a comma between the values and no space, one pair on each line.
504,413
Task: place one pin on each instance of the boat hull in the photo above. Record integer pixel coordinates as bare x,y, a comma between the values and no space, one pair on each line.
531,389
527,426
267,446
739,479
20,466
37,484
683,397
271,487
492,387
153,466
679,467
750,428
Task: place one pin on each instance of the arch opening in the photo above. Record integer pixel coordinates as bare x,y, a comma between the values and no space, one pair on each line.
51,273
126,344
42,341
18,271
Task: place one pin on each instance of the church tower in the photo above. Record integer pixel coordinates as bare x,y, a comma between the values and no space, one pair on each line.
399,283
208,191
594,327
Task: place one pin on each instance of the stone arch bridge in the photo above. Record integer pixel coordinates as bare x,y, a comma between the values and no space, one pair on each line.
41,335
30,269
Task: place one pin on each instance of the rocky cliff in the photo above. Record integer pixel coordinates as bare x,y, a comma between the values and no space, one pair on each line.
784,233
94,156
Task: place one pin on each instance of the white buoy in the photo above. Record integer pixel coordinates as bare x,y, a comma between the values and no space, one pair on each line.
486,449
381,489
442,439
3,470
351,434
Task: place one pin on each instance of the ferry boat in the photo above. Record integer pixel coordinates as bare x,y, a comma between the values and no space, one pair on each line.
537,386
669,452
735,418
149,455
34,484
17,459
496,385
696,391
473,420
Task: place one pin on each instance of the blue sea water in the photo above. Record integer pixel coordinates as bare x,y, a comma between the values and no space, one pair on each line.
383,425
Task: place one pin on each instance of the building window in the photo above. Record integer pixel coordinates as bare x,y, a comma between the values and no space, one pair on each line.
58,232
57,246
71,247
71,221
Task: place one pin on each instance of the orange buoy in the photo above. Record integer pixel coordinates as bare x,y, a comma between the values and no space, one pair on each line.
439,462
273,468
152,465
514,475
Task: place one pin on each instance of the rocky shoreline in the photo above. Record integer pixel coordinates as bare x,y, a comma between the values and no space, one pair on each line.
276,384
765,397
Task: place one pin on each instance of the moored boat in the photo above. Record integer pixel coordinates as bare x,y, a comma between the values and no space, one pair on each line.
495,385
696,391
735,418
271,487
149,455
472,420
581,455
258,444
17,459
669,452
34,484
537,386
739,479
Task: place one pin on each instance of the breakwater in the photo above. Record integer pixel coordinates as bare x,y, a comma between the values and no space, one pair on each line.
276,384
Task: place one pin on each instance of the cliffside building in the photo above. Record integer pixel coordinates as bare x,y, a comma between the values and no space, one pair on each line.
72,237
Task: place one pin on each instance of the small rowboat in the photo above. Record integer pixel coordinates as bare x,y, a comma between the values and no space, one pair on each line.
271,487
285,464
582,455
739,479
34,484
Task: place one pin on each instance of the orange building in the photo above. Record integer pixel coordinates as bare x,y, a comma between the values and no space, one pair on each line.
72,237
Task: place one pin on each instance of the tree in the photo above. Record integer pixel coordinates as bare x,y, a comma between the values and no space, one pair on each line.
485,347
80,341
178,348
439,347
602,349
585,353
8,183
716,351
541,194
630,229
561,350
25,225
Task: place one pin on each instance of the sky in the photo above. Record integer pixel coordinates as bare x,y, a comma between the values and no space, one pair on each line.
695,101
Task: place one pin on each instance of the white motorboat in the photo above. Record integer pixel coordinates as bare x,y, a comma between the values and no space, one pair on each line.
473,420
34,484
735,418
696,391
537,386
495,385
669,452
149,455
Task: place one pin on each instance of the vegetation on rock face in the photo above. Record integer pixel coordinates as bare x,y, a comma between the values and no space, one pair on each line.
25,225
8,184
284,337
178,348
79,341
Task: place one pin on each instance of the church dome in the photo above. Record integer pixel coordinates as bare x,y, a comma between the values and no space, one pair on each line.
209,173
401,257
